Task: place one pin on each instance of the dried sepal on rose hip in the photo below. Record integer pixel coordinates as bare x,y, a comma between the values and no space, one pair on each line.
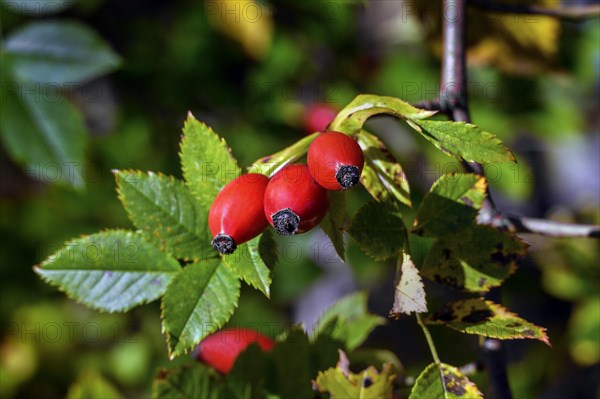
221,349
294,201
335,161
237,215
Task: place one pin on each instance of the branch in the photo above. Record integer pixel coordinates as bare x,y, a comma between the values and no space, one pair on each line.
454,101
571,13
551,228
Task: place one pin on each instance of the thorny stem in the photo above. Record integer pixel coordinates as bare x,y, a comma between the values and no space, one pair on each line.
430,342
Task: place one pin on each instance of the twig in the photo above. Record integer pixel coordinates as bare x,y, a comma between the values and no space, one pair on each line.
572,13
429,105
454,101
551,228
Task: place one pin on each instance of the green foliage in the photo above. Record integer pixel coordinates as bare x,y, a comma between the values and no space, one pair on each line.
477,316
39,132
198,301
475,259
465,255
341,383
91,385
248,264
448,246
165,210
58,52
188,381
112,271
348,321
41,62
382,176
444,381
206,161
464,140
452,203
378,230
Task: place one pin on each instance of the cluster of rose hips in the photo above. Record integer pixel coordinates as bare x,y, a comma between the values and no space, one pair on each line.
293,200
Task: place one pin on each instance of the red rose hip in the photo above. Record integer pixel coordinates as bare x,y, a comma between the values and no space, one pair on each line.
236,215
318,116
294,202
335,161
221,349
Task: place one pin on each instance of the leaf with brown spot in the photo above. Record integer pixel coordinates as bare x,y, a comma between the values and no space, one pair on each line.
477,316
444,381
473,259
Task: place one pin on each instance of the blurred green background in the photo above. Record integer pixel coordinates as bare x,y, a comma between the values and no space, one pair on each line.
250,70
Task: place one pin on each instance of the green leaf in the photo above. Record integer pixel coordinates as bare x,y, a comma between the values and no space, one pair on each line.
455,384
351,119
198,302
382,176
378,230
187,381
475,259
293,365
409,294
353,322
271,164
206,161
267,249
451,204
167,212
247,263
333,222
91,385
112,271
250,372
464,140
341,383
58,52
477,316
45,134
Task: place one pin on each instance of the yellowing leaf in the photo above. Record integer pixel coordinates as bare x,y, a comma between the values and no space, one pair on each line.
514,43
246,21
455,384
477,316
340,383
409,295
